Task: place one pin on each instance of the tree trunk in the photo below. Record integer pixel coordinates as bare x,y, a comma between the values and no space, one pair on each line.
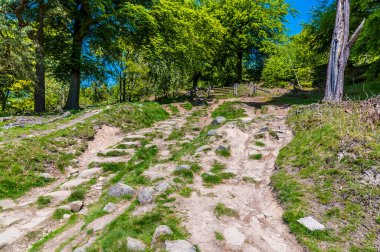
340,51
196,78
73,98
239,67
39,86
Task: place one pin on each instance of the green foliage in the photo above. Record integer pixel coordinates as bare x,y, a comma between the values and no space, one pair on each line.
230,110
78,194
59,212
222,210
187,105
43,201
258,156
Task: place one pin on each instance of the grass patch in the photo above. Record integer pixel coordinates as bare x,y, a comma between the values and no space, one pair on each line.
113,167
76,195
229,110
187,105
221,210
223,152
259,144
219,236
250,180
176,134
186,192
216,174
321,173
173,109
113,153
258,156
59,212
43,201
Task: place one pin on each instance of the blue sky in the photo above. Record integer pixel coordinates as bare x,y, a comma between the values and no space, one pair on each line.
303,7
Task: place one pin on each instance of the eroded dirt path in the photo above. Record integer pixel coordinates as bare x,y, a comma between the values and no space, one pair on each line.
258,224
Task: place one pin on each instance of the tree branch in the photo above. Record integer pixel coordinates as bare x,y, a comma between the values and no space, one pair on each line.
356,34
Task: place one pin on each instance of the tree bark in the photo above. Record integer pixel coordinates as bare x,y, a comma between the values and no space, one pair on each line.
196,78
340,51
39,86
74,91
239,67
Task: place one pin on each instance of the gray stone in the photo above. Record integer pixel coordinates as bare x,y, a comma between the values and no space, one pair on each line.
162,187
110,207
179,246
73,183
121,189
311,224
76,206
89,173
160,231
146,195
46,176
182,167
218,120
234,238
221,148
203,148
7,204
135,245
264,129
212,133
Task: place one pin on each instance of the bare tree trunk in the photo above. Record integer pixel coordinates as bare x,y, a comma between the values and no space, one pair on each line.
39,86
239,67
340,51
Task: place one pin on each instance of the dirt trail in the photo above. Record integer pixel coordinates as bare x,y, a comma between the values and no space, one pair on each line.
258,225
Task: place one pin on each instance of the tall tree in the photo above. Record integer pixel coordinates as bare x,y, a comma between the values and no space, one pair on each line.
340,51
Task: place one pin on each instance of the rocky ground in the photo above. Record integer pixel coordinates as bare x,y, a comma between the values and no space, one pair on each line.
229,204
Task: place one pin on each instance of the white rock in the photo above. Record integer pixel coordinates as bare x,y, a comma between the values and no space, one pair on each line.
212,133
182,167
59,195
89,173
66,216
179,246
311,224
73,183
218,120
110,207
46,175
162,187
234,238
135,245
76,206
121,189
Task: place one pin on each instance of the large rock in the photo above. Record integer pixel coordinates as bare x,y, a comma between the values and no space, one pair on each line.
76,206
146,195
218,120
221,148
135,245
311,224
234,238
179,246
162,187
46,176
121,189
89,173
160,231
9,235
110,207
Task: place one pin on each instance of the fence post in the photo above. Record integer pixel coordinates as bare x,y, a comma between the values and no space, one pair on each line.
254,89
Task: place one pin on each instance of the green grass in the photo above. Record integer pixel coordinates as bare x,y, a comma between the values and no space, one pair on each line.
186,192
250,180
176,134
217,176
59,212
187,105
230,110
259,143
76,195
223,153
219,236
221,210
113,153
258,156
320,173
21,162
173,109
43,201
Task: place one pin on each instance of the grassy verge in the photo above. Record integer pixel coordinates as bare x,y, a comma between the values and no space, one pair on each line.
21,162
328,171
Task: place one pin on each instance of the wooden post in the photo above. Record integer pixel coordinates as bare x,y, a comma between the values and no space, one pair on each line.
340,51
